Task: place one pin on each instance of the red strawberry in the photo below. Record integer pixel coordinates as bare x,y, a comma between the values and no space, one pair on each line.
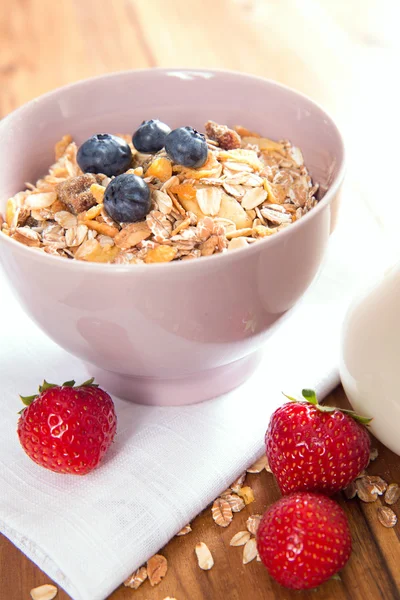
316,448
304,539
67,429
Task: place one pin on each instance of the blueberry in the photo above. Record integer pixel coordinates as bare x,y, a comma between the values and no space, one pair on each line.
187,147
127,199
150,137
104,153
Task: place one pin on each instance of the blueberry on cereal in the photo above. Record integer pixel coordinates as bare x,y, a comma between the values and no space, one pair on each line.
104,153
151,136
127,199
187,147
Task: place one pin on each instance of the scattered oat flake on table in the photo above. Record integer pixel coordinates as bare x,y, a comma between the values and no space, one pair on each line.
375,484
185,530
204,556
392,493
247,494
267,467
350,491
44,592
240,538
157,567
237,484
135,580
235,502
364,491
253,523
258,466
249,551
373,454
221,512
387,516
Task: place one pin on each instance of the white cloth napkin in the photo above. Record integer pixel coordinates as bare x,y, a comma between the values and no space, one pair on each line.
89,533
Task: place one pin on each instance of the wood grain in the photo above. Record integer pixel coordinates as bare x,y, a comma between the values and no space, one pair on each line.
329,50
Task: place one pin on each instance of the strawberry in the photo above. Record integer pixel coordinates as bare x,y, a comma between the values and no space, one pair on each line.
67,429
303,539
316,448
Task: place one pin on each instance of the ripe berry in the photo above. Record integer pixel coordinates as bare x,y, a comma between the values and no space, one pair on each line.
304,539
104,153
185,146
316,448
127,199
68,429
151,136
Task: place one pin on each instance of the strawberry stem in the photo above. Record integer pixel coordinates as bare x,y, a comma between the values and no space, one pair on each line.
311,397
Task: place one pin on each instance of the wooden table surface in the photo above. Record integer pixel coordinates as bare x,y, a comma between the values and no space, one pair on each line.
339,52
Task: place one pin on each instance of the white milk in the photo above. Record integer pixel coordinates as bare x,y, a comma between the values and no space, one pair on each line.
370,358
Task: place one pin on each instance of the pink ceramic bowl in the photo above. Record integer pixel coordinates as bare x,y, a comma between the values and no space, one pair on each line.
181,332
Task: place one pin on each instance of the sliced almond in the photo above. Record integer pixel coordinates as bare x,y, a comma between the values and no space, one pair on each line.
247,231
157,567
221,512
40,200
387,517
76,235
204,556
237,167
238,191
237,243
232,210
26,236
253,523
240,538
163,201
249,551
185,530
235,502
65,219
275,216
135,580
44,592
254,197
392,493
259,465
209,200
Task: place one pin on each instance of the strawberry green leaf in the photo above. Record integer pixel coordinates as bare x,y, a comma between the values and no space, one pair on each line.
360,418
46,386
88,383
290,398
27,400
310,396
326,408
69,383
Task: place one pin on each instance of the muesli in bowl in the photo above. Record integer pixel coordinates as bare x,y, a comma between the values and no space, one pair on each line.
161,195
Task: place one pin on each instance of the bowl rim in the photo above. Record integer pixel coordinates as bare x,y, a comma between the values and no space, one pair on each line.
82,266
